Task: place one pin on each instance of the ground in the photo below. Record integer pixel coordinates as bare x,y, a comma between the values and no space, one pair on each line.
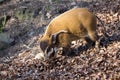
27,21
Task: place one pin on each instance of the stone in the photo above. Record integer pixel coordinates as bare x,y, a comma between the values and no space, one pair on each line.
39,56
1,1
5,40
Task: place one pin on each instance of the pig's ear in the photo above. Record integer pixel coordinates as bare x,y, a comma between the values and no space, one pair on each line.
55,35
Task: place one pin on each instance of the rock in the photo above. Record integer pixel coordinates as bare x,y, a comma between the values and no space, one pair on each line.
83,4
1,1
4,73
39,56
5,40
73,3
1,65
48,15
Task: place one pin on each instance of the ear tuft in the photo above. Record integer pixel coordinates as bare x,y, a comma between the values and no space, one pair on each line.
55,35
53,39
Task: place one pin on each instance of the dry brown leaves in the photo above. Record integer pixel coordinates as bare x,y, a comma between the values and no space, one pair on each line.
87,65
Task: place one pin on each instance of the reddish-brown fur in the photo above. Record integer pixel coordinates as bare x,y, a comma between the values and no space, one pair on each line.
77,23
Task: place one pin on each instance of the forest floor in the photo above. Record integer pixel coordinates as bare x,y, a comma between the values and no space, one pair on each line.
27,21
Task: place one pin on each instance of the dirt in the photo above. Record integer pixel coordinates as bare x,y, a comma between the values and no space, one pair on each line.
17,61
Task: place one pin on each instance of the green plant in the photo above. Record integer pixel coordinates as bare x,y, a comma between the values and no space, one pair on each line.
55,1
2,23
24,15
